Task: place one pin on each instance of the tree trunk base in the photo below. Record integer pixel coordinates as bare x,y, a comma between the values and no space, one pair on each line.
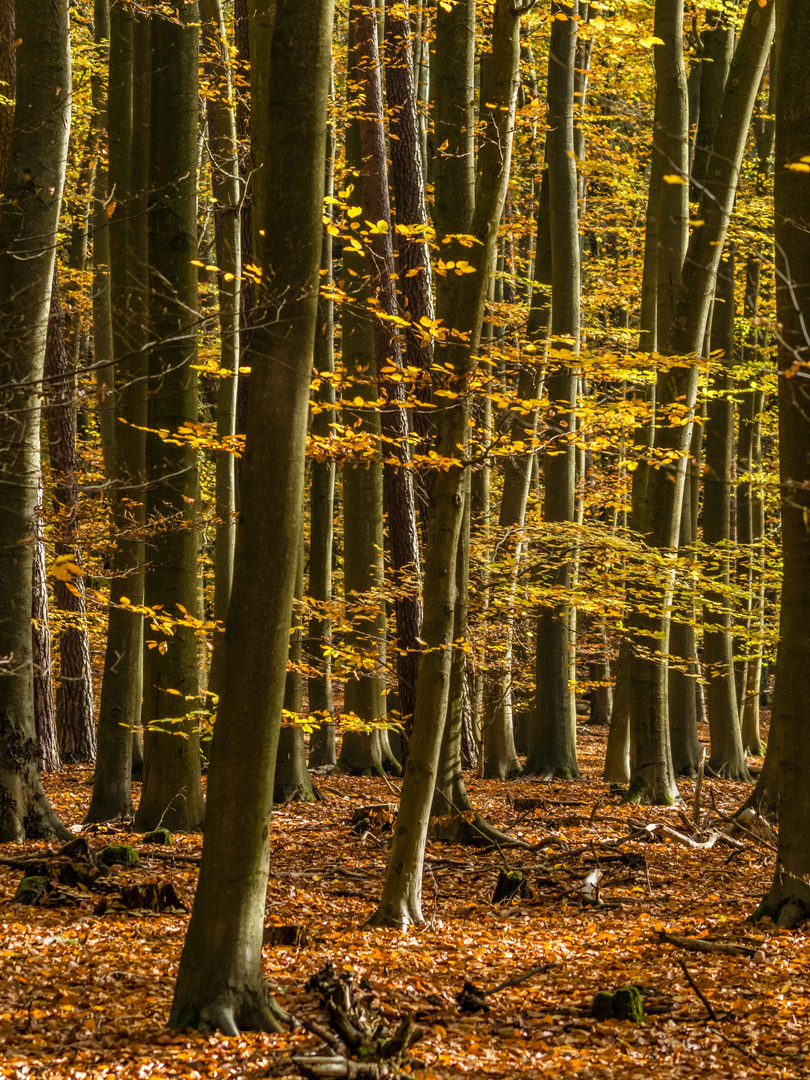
787,903
725,770
230,1011
541,771
642,793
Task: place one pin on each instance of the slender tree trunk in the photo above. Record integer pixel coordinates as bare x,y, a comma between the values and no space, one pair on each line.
74,701
322,501
29,218
220,982
172,792
398,482
227,191
122,681
719,39
677,388
552,741
685,671
751,519
363,540
727,757
465,296
44,700
292,781
788,902
102,315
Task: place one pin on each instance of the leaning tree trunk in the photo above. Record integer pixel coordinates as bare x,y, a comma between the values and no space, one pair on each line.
172,789
553,736
727,757
220,982
74,701
401,900
788,902
653,779
122,680
29,218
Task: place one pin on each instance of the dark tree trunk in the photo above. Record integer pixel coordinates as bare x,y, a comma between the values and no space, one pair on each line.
322,749
220,982
788,902
172,792
74,700
398,483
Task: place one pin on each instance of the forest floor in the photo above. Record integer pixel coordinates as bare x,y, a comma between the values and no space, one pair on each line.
87,995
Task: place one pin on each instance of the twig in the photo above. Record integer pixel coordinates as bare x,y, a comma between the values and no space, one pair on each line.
541,969
729,948
699,785
706,1003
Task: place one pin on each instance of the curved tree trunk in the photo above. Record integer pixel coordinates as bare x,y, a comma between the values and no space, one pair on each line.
677,389
465,295
220,982
29,217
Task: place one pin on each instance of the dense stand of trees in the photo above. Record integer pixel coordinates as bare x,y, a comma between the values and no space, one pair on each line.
402,376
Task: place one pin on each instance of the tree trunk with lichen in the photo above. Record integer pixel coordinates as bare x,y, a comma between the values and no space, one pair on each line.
29,217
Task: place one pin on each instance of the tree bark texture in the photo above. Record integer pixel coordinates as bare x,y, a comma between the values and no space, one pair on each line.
29,216
220,982
172,792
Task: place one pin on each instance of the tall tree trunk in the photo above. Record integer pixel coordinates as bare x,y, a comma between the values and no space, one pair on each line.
400,499
553,738
220,982
727,757
653,779
29,218
719,39
102,315
788,902
363,540
74,701
172,792
121,686
751,518
465,295
226,187
322,500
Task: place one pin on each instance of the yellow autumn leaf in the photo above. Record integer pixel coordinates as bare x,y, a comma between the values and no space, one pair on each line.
673,178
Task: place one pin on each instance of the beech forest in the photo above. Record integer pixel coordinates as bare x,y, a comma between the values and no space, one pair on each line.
404,539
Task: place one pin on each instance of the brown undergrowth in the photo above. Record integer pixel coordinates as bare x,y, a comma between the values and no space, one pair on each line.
87,995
